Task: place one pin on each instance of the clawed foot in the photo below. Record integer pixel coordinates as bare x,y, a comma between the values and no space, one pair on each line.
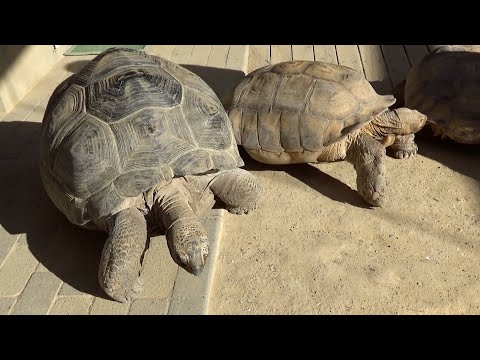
242,210
123,294
373,191
238,189
405,154
404,147
136,289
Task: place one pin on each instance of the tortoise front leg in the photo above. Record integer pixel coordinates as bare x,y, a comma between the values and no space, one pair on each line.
238,189
368,156
122,256
404,146
402,124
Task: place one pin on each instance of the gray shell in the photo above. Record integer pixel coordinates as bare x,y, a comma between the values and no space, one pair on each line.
445,86
302,105
123,124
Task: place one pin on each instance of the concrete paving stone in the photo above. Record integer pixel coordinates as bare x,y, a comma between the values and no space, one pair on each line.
159,270
38,295
149,306
6,304
69,290
16,271
71,305
7,241
108,307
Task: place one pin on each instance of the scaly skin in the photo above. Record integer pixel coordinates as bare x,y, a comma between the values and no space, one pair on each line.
180,203
238,189
366,149
402,123
368,157
404,146
121,262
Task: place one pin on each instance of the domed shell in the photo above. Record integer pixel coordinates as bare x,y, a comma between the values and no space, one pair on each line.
444,85
123,124
301,106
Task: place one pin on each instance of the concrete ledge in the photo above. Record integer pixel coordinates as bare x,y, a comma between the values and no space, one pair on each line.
192,293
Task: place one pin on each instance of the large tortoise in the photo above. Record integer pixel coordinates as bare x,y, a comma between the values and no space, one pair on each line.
309,112
135,143
445,85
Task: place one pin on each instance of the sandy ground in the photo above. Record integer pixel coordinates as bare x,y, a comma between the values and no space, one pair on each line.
314,247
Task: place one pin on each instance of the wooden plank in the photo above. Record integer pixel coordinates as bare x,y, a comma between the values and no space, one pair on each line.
181,54
302,52
238,58
416,53
375,69
199,55
434,47
215,74
218,56
325,53
281,53
348,55
259,56
397,62
163,51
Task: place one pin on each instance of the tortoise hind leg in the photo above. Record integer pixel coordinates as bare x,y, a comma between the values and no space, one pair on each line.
238,189
122,255
368,156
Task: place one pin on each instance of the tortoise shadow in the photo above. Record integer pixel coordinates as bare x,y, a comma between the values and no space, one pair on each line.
69,252
222,81
462,158
313,177
76,66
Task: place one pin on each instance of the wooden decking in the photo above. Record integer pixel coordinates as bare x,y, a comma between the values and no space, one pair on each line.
384,66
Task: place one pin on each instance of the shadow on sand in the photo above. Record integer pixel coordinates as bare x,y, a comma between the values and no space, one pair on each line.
313,177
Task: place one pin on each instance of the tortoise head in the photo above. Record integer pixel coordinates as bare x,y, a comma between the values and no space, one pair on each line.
401,121
411,120
192,254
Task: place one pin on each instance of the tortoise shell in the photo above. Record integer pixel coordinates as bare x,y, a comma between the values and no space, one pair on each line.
123,124
445,86
302,106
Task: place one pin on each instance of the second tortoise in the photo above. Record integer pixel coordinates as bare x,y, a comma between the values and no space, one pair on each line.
445,85
310,112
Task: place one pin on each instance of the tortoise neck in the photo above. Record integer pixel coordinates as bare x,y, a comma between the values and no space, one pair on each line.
383,124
